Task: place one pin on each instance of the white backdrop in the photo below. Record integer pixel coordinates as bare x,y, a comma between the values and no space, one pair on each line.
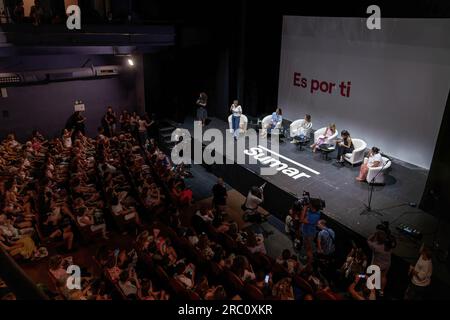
399,75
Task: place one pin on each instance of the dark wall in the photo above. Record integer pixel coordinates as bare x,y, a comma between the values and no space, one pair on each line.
436,198
47,107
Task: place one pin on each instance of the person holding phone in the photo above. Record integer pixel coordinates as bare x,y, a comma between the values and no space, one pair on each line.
344,145
254,199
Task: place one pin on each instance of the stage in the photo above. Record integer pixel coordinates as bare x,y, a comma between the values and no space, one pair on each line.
345,197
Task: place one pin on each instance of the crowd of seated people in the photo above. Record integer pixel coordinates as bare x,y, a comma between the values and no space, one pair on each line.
69,185
20,166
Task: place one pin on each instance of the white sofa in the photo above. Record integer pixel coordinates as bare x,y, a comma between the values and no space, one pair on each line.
294,128
377,172
357,156
242,123
321,131
265,123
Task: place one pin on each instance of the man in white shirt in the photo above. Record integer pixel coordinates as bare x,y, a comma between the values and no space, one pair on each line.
420,276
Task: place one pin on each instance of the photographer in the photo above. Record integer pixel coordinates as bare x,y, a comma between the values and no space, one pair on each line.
254,198
382,243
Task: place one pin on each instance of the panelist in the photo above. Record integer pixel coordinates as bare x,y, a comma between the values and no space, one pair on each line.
344,145
304,130
374,160
331,129
276,118
236,111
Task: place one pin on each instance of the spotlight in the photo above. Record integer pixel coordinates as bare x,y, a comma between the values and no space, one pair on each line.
130,62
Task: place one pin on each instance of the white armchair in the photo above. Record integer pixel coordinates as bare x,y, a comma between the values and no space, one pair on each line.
357,156
265,123
295,128
243,122
321,132
375,175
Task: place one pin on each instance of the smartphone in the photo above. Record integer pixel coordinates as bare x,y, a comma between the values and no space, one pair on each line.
266,279
362,276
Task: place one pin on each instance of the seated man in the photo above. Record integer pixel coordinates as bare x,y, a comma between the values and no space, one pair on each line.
304,130
274,121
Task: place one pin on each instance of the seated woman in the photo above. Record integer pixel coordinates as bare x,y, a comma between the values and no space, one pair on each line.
120,210
288,261
344,145
255,243
85,218
185,274
167,251
152,196
331,129
243,269
216,293
148,291
274,120
129,284
181,194
374,160
204,246
283,289
15,244
58,227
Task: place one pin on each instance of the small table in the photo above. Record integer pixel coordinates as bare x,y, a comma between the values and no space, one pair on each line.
326,149
301,141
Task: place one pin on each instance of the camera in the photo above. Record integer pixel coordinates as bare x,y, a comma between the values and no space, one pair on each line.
307,200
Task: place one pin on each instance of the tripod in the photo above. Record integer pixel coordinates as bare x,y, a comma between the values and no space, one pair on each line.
368,206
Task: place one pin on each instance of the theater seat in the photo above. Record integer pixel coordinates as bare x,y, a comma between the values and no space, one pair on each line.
242,125
227,242
260,260
178,289
252,292
266,123
321,131
375,175
162,275
214,270
357,156
294,128
233,282
303,284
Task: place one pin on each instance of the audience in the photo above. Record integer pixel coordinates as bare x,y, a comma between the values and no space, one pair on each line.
79,184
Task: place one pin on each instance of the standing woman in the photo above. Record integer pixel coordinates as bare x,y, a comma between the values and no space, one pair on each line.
110,119
236,111
201,103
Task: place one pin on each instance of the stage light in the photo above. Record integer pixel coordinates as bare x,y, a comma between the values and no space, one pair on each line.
130,62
